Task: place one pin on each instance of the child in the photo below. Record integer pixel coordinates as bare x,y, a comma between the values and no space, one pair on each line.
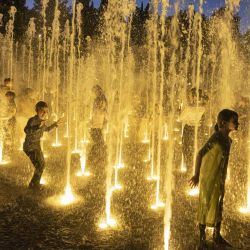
10,123
211,171
34,131
99,112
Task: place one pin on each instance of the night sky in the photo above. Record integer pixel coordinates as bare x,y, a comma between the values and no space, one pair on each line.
209,7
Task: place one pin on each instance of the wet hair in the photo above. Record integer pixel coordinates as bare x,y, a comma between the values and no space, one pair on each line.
98,88
7,80
40,105
194,92
27,91
10,94
226,115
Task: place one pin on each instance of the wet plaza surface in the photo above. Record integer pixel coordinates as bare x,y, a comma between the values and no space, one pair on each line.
28,220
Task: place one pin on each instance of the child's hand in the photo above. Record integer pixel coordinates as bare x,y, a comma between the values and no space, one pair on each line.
60,121
193,182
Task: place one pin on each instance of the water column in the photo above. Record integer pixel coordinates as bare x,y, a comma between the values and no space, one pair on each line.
66,46
79,9
197,86
172,85
2,43
114,25
10,35
153,49
30,35
119,141
162,48
10,39
68,196
54,63
186,73
43,13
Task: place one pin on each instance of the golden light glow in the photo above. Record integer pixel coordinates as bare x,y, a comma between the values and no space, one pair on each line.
21,144
152,178
105,224
183,165
166,237
76,151
116,187
56,145
158,205
146,139
126,129
4,162
43,181
80,173
165,135
68,197
84,141
119,165
194,191
245,210
1,152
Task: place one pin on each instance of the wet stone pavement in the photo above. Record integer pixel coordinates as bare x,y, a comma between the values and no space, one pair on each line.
29,221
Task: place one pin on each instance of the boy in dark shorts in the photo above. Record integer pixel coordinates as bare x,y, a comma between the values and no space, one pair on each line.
34,131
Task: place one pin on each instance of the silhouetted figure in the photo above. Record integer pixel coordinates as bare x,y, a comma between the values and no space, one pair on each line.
34,131
98,121
210,173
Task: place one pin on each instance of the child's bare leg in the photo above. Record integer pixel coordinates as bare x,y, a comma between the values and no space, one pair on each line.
217,238
37,159
202,244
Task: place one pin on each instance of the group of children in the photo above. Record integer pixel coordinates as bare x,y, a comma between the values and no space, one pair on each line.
211,163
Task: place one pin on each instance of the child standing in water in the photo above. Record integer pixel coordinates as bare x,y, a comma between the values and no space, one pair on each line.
210,173
34,131
10,126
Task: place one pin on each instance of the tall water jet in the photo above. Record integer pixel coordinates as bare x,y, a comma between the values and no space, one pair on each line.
172,84
165,5
43,13
197,80
10,38
153,40
68,195
186,77
79,9
30,35
66,48
54,63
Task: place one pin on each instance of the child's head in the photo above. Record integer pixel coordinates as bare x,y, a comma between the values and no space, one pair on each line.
8,82
29,92
97,90
227,119
10,95
42,110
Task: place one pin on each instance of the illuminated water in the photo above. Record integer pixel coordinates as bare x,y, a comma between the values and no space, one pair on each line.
132,192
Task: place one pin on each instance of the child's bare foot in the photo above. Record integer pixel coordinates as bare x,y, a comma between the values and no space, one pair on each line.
220,241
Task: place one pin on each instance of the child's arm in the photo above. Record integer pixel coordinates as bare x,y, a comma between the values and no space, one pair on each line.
54,125
49,128
31,127
195,179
